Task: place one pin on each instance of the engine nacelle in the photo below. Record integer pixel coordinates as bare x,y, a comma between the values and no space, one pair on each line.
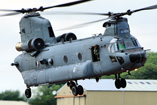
35,44
66,37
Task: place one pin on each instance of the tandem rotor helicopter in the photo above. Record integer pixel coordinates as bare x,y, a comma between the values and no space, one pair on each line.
47,59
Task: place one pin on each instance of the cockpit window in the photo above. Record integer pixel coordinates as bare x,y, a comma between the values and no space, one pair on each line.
120,45
129,44
134,42
123,44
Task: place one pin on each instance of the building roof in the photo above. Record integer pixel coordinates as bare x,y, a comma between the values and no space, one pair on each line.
109,85
13,103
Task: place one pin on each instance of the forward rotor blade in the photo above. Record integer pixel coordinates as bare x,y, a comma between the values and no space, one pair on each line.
146,8
10,14
84,24
67,4
79,13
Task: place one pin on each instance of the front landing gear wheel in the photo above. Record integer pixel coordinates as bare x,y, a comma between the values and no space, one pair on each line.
28,93
74,90
118,83
123,83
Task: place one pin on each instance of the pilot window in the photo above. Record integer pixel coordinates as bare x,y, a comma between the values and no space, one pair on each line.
120,45
95,53
134,42
129,44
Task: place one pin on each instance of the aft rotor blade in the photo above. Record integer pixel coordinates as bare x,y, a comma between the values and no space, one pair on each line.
7,10
44,8
67,4
146,8
84,24
10,14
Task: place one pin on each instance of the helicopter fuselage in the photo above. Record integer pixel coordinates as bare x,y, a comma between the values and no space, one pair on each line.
73,60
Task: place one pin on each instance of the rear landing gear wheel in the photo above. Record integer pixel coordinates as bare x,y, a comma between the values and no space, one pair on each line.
74,90
80,90
28,92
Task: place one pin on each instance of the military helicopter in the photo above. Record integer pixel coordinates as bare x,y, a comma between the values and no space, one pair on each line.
47,59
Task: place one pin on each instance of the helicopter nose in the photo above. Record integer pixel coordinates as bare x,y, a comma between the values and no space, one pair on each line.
138,58
134,58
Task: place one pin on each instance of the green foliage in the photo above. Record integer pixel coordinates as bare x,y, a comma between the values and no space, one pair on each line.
149,71
11,95
44,95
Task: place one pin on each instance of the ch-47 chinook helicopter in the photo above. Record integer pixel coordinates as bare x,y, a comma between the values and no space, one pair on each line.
47,59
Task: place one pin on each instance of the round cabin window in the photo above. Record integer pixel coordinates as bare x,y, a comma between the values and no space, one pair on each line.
80,56
65,59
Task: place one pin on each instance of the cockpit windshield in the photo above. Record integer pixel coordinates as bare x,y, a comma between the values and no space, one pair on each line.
123,44
127,44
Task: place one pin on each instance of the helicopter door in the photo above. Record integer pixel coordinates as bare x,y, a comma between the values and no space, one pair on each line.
95,53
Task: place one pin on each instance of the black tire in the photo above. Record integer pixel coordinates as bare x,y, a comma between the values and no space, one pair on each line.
80,90
74,90
68,84
118,83
71,84
123,83
28,93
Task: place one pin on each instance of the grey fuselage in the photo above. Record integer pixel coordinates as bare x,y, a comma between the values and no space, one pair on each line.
72,60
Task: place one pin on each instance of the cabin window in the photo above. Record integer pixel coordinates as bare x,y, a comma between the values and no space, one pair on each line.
80,56
95,53
65,59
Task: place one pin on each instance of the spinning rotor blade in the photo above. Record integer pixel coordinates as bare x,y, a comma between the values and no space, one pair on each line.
19,11
67,4
146,8
84,24
129,12
79,13
10,14
44,8
110,14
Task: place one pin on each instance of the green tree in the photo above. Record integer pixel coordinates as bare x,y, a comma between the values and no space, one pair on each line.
11,95
44,95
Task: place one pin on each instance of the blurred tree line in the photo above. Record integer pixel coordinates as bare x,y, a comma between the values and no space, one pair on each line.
12,96
44,96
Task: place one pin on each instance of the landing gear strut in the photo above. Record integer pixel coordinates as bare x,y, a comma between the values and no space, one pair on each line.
75,88
28,92
120,82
